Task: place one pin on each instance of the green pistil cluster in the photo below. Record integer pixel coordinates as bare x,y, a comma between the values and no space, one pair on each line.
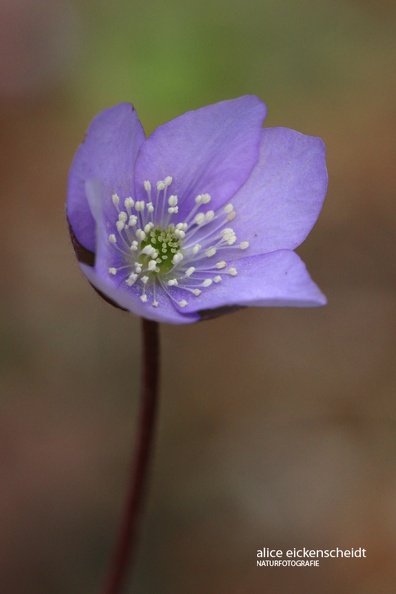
166,243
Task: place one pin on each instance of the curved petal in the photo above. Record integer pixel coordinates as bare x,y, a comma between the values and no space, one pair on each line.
106,156
280,202
126,298
276,279
211,150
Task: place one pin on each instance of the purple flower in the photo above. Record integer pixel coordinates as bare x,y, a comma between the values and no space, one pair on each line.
203,215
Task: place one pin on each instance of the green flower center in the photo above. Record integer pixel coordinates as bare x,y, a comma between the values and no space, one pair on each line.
166,243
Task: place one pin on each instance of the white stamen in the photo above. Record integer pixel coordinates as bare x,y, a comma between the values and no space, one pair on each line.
112,238
177,258
172,282
139,205
190,271
168,180
143,298
172,200
120,225
149,250
113,270
155,303
132,220
122,216
206,198
183,303
244,245
198,199
207,282
180,234
209,216
182,226
131,279
173,209
116,200
150,208
144,279
161,185
129,202
231,216
196,248
210,252
199,218
217,279
140,234
233,271
147,185
152,265
148,227
196,292
229,208
221,264
134,246
138,267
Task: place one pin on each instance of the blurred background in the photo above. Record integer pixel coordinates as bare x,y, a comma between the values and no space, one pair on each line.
277,426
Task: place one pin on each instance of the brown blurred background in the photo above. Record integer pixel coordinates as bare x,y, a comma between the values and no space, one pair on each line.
277,426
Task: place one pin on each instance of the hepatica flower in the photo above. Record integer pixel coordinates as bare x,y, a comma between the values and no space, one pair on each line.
202,215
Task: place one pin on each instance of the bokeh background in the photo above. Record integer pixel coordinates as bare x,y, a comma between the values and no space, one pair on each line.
278,426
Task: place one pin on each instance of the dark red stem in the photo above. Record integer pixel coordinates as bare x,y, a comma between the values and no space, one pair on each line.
125,552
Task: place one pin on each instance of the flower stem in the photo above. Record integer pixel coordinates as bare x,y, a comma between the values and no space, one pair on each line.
125,551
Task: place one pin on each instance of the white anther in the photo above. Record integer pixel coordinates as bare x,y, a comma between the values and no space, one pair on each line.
149,250
172,282
210,252
152,265
206,198
196,248
112,238
233,271
172,200
138,267
150,207
217,279
244,245
139,205
120,225
129,202
207,282
131,279
143,298
180,234
231,216
180,226
173,209
132,220
122,216
168,180
196,292
148,227
177,258
209,216
190,271
134,246
147,185
231,240
221,264
116,200
229,208
161,185
144,279
198,199
140,234
113,270
183,303
155,304
199,218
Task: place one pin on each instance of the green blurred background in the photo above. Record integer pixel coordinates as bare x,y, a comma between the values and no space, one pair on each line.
277,427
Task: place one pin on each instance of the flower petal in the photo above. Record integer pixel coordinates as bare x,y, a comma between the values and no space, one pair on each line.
211,150
128,298
106,156
276,279
280,202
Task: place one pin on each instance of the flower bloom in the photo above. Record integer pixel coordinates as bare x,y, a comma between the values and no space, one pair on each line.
202,215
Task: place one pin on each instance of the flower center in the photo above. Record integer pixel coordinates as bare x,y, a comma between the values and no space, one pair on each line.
166,243
176,258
